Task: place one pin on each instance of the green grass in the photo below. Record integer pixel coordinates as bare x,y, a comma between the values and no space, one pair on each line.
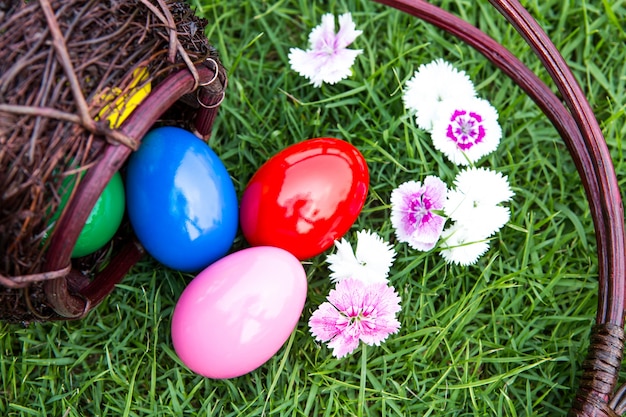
503,338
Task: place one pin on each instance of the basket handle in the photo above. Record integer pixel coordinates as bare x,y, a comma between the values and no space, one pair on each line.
588,149
60,292
612,310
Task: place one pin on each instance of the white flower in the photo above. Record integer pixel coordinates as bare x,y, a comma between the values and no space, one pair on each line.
371,263
474,202
483,220
329,60
461,246
485,186
432,85
466,130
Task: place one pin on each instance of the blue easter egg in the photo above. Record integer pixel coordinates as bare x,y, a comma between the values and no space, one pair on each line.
181,202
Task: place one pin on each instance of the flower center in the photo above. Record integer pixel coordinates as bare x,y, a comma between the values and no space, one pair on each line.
465,129
419,210
328,50
356,320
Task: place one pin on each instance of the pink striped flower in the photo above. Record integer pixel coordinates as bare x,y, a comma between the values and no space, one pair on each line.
329,60
355,312
414,214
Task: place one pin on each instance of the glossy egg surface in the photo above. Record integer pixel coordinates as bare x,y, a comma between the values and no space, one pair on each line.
237,313
104,219
181,200
305,197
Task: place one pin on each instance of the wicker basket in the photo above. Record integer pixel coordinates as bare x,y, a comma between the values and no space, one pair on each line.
47,286
61,58
597,394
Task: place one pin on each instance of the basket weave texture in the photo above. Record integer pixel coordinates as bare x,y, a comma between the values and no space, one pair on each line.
59,58
62,64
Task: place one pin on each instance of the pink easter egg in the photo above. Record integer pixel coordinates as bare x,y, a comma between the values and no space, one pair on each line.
238,312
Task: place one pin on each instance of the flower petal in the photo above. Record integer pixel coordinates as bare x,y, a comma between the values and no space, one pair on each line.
461,247
432,85
347,31
343,344
303,62
342,263
323,322
323,35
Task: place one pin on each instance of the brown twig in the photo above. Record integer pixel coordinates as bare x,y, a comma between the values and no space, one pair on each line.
175,45
25,280
179,47
41,111
172,29
66,62
115,136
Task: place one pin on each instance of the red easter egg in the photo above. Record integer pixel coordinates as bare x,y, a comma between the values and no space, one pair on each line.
305,197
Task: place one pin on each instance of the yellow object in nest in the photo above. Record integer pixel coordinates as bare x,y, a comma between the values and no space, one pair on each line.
119,109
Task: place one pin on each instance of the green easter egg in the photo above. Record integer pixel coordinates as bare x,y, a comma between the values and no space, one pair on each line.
105,217
104,220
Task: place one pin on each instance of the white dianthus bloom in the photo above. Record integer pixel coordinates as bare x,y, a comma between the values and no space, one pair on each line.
474,203
329,60
432,85
462,246
466,130
483,186
482,220
371,262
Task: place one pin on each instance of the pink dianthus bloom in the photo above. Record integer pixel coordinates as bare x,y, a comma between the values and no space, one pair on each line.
329,60
413,212
356,311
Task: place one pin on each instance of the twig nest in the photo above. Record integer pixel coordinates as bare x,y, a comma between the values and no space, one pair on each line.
70,73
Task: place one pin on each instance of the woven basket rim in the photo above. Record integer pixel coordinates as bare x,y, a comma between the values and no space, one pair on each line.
579,129
574,120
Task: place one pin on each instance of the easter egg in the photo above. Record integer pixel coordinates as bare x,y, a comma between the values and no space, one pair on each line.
237,313
105,217
305,197
181,201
